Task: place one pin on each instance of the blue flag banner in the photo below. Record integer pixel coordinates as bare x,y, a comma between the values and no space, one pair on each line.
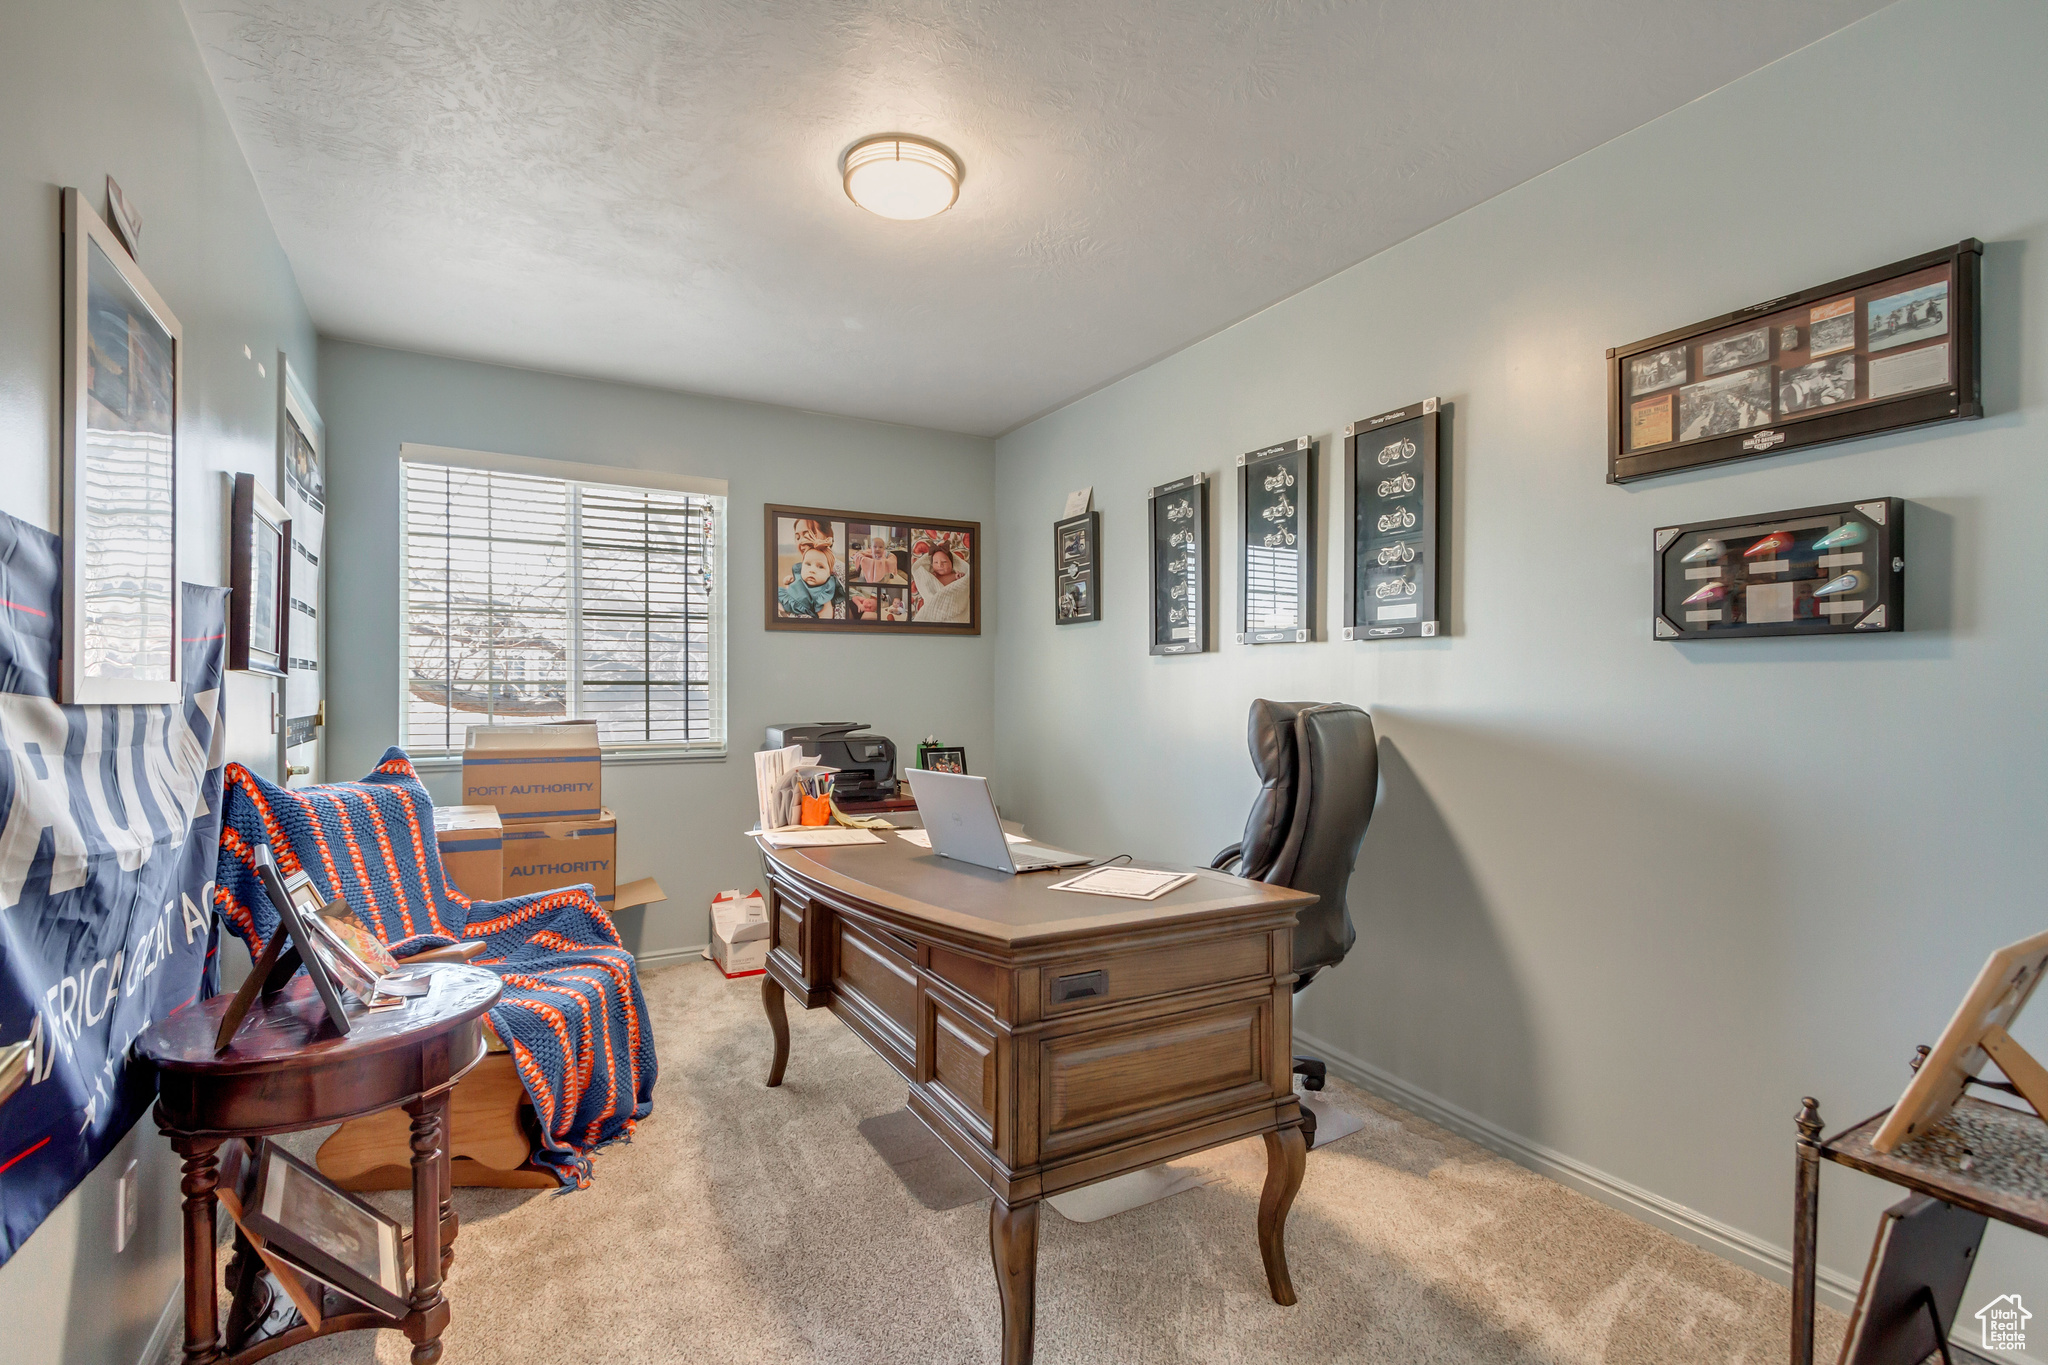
109,828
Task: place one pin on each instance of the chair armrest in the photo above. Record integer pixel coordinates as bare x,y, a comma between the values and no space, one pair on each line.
454,952
1226,857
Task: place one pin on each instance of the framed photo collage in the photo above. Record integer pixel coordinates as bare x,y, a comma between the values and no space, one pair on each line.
869,572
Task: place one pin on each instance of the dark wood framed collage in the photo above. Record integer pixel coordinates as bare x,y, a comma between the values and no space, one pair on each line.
870,573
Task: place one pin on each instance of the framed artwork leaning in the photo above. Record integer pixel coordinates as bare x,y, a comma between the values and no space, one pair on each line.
118,485
868,572
1076,569
1276,571
1890,348
259,574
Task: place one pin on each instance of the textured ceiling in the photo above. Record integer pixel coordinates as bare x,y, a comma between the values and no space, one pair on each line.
647,190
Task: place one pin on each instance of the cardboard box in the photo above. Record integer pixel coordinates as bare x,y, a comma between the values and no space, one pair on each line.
547,855
739,934
472,850
534,772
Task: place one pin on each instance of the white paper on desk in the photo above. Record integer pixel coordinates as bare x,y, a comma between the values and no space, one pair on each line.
1131,883
923,837
815,836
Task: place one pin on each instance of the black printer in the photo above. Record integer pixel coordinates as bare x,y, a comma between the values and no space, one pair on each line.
866,763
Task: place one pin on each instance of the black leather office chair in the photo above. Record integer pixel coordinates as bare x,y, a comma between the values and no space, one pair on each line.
1319,770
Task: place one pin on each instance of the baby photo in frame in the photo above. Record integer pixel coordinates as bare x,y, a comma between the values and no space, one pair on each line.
863,571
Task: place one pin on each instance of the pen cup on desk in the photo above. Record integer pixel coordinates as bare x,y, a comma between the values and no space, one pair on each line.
814,791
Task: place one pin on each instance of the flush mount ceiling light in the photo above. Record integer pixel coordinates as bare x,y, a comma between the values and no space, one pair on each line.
898,176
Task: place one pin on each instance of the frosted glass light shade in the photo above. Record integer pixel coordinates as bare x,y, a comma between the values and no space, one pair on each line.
902,177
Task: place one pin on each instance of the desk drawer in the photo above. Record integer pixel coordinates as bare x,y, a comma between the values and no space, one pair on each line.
1086,983
1153,1073
879,978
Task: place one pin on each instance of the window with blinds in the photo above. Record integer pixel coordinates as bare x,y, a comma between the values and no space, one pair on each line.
531,599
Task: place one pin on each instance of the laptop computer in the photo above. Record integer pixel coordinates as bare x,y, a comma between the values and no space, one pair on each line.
960,817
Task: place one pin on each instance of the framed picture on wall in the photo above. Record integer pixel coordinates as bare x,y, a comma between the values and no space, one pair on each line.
259,574
868,572
1890,348
1394,489
1276,571
1179,521
1075,569
118,486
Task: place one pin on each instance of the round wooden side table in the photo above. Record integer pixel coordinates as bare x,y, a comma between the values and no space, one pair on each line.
288,1070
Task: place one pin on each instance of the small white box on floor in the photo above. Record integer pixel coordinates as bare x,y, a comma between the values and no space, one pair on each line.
739,933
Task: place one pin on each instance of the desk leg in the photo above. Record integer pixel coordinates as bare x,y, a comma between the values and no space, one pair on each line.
202,1281
1286,1159
778,1021
1013,1241
450,1224
1805,1231
430,1176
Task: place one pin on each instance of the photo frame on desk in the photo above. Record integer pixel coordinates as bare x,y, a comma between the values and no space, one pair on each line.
327,1232
1394,490
290,948
1277,544
1077,569
1178,522
1883,350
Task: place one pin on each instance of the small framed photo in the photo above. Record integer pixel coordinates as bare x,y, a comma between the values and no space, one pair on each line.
1658,370
118,490
259,573
329,1233
1076,590
940,758
1734,352
859,571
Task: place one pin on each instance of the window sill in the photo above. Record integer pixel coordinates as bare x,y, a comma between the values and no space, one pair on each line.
450,762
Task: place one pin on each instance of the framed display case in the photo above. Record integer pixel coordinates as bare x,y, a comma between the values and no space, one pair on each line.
1890,348
869,572
1076,546
1394,494
1276,567
260,575
124,360
1834,570
1178,516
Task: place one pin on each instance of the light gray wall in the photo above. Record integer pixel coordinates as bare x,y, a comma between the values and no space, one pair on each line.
678,822
116,87
1624,899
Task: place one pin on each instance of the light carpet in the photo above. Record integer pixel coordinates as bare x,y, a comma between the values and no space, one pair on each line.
752,1225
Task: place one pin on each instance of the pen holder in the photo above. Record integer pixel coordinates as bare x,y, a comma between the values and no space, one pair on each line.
814,799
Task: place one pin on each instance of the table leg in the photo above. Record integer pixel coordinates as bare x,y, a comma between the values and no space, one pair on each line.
430,1176
778,1021
202,1282
1286,1159
450,1224
1805,1230
1013,1241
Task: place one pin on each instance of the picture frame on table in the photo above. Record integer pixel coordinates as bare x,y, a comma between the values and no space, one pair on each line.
869,573
259,576
1277,544
333,1236
1879,351
942,758
123,401
1076,565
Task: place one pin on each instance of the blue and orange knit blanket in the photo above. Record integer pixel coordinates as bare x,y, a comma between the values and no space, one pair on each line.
571,1014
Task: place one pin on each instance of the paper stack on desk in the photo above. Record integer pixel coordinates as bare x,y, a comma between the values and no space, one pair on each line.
815,836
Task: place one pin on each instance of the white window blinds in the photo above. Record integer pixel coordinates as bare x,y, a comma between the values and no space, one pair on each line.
533,598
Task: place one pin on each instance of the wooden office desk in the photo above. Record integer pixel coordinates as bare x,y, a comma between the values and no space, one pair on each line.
1051,1039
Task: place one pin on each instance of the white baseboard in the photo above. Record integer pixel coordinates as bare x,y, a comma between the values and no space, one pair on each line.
170,1326
1730,1243
669,957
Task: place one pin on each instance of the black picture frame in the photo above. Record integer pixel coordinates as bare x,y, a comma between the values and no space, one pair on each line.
1783,594
1742,391
1181,579
260,581
942,758
1394,489
1077,569
900,539
1276,548
332,1249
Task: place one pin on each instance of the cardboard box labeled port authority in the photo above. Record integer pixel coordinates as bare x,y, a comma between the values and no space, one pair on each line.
546,855
472,850
548,772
